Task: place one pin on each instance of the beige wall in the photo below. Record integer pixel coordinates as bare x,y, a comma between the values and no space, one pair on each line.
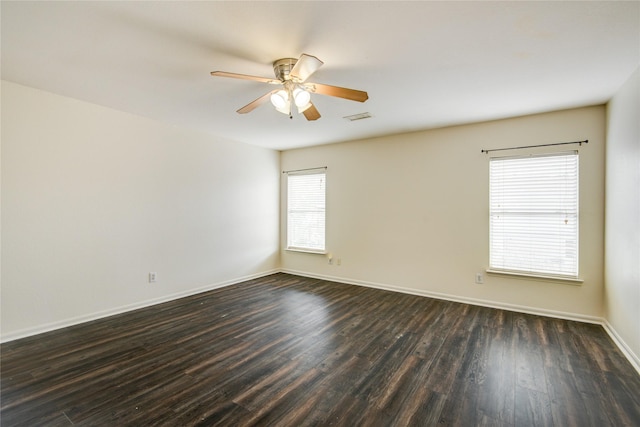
622,257
93,199
410,211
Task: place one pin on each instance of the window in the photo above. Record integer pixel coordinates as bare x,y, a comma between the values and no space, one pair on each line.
533,204
306,210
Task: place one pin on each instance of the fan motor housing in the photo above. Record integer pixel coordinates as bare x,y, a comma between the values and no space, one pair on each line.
282,68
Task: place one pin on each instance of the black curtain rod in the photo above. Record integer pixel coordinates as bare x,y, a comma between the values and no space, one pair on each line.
586,141
308,169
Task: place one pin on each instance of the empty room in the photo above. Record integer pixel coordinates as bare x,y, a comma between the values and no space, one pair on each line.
314,213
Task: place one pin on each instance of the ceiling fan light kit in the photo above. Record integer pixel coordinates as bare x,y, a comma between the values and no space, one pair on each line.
292,74
282,99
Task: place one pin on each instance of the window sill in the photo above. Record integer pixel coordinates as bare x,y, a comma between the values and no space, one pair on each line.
547,278
306,251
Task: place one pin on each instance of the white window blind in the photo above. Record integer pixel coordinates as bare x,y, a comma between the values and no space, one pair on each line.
534,214
306,194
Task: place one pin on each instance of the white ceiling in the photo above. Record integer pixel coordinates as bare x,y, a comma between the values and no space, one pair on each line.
424,64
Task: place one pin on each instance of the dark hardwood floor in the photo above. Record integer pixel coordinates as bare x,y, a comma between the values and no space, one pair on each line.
291,351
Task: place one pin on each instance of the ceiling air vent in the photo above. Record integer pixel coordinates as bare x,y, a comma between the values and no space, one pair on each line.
357,117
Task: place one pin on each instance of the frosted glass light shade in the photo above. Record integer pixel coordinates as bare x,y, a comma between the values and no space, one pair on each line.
301,97
304,108
279,99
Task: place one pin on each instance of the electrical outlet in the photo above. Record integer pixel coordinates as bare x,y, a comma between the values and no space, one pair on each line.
153,277
339,261
479,278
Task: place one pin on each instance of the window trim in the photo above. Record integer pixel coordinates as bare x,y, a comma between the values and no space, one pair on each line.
306,251
299,249
570,280
532,274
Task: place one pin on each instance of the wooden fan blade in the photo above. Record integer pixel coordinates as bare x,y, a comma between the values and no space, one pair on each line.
305,66
311,113
255,104
340,92
245,77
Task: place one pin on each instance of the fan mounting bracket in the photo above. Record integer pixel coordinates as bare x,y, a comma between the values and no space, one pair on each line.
282,68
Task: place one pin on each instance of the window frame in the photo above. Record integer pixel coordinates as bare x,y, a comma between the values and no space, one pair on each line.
535,271
289,238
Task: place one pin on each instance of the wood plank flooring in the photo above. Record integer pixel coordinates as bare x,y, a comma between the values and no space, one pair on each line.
285,350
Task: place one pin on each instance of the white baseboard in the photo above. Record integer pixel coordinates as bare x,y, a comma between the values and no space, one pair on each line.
622,345
27,332
619,342
455,298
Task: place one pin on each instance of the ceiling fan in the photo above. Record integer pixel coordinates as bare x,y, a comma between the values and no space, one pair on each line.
292,75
